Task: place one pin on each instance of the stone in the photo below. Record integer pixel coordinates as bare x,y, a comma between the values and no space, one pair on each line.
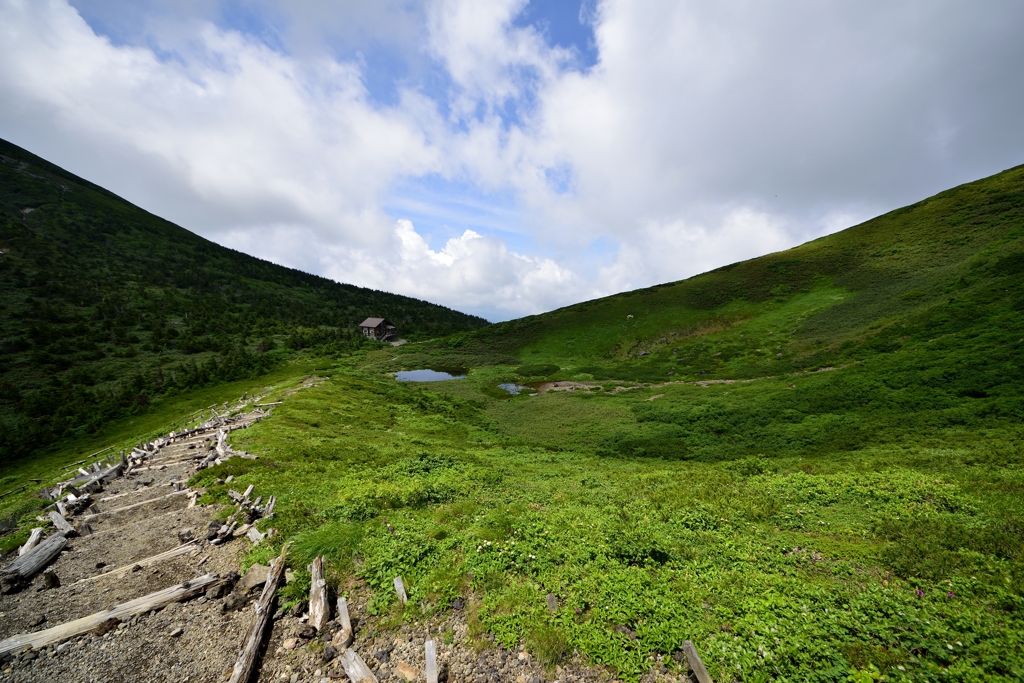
307,632
50,579
186,535
298,609
291,643
105,627
232,602
458,604
176,631
329,653
256,576
552,602
217,590
36,620
406,672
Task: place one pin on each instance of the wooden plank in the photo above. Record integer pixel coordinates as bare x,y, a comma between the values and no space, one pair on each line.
430,654
319,608
343,638
32,562
696,665
32,542
189,547
61,524
356,668
400,589
132,507
146,603
246,663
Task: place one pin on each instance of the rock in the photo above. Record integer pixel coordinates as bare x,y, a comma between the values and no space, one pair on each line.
186,535
101,565
256,576
176,631
329,653
383,656
106,626
458,604
298,609
50,579
406,672
217,590
552,602
626,631
232,602
218,481
678,656
291,643
307,632
136,568
84,529
36,620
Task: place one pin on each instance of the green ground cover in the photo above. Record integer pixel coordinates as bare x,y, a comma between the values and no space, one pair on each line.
800,565
810,463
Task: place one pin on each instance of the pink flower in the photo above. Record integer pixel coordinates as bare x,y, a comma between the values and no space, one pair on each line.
920,593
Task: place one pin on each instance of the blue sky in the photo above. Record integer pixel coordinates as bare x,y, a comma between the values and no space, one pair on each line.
509,157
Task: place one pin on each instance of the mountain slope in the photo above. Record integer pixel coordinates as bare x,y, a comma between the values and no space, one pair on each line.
949,265
106,305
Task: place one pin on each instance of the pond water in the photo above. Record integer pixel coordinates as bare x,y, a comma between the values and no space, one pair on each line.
516,389
427,375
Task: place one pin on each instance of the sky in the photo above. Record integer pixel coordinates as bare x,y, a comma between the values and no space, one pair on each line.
507,157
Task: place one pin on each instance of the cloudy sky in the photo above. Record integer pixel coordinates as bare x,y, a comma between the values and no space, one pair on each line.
505,157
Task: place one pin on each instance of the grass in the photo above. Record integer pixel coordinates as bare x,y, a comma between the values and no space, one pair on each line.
809,464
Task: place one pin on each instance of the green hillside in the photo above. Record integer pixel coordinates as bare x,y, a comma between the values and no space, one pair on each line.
106,306
809,464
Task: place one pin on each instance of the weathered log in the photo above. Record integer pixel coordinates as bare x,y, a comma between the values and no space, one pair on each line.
319,608
135,505
62,524
356,668
246,663
32,542
430,654
254,535
32,562
189,547
343,638
269,512
61,508
400,589
694,662
153,601
245,496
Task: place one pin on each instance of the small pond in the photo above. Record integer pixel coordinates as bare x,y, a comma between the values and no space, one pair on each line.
427,375
516,389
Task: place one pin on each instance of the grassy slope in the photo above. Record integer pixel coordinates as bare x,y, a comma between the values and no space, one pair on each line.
107,306
859,521
809,526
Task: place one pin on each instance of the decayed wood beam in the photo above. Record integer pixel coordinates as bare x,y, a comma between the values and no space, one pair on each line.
32,542
400,589
135,505
247,657
356,668
696,665
35,560
189,547
319,608
430,655
60,523
39,639
343,638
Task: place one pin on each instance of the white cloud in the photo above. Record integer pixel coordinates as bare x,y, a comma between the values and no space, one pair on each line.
704,134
